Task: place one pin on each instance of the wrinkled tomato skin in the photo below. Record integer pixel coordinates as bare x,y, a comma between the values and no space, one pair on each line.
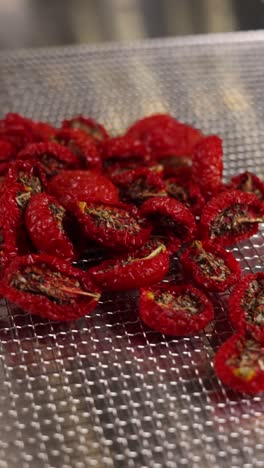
151,179
195,200
9,247
118,239
41,131
218,204
29,168
12,216
72,186
168,207
225,373
174,323
237,313
44,231
258,184
163,136
36,151
210,284
40,305
207,165
82,146
119,277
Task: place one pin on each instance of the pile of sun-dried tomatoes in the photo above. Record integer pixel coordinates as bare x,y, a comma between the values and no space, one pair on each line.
129,203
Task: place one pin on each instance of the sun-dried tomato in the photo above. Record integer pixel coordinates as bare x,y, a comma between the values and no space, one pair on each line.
8,245
230,217
211,266
207,165
170,217
165,137
171,242
49,287
137,185
7,151
138,269
250,183
52,157
89,126
13,200
29,174
19,186
44,131
175,310
12,119
140,128
187,193
18,136
239,363
246,305
82,146
71,186
116,226
44,221
22,182
124,150
40,131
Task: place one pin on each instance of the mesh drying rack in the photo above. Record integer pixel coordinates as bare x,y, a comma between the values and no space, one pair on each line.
105,391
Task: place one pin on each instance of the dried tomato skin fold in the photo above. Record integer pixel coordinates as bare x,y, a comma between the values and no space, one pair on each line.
25,171
137,185
174,322
116,226
207,165
239,315
227,201
230,266
82,146
187,193
46,231
72,186
175,141
117,275
252,381
157,208
41,305
52,157
249,183
89,126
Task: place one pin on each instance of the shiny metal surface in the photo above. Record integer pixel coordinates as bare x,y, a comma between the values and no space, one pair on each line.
105,391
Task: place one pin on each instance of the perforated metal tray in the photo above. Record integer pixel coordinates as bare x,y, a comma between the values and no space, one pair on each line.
105,390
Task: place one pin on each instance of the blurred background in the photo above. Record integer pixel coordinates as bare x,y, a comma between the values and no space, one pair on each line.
35,23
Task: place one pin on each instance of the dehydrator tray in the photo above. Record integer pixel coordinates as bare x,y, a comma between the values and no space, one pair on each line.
106,391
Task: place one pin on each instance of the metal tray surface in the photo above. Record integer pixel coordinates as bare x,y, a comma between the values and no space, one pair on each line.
105,391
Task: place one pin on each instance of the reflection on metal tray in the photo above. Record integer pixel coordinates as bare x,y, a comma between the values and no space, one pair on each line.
105,390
